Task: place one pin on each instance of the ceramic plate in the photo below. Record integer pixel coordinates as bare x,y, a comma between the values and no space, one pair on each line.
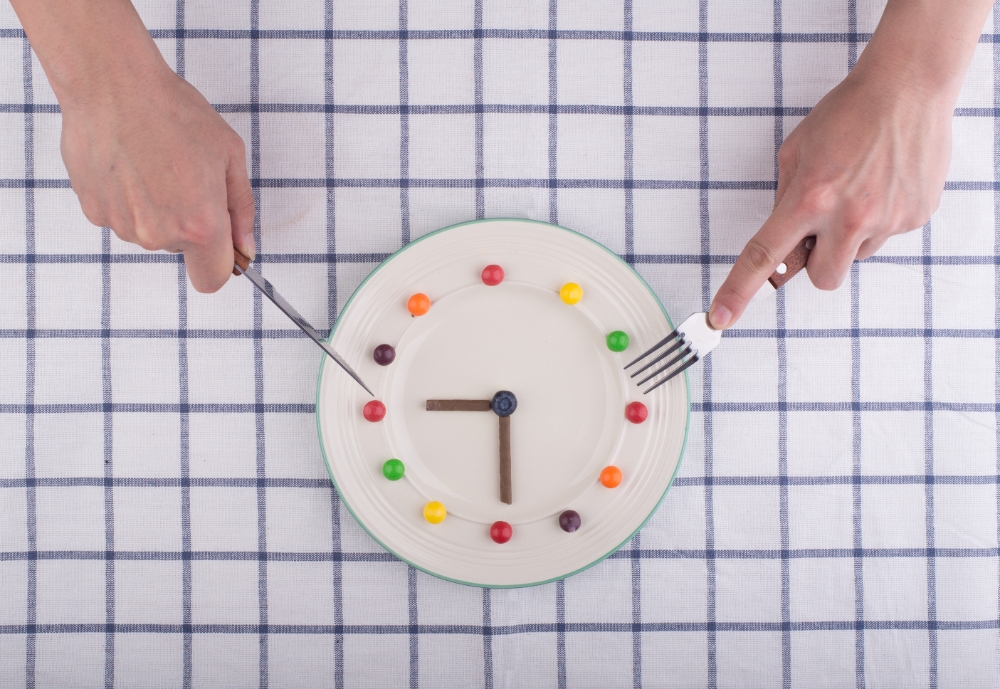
474,341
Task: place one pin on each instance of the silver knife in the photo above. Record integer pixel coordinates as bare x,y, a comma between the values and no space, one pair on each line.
242,266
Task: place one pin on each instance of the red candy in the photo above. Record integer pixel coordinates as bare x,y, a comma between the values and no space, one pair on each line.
374,411
636,412
492,275
501,532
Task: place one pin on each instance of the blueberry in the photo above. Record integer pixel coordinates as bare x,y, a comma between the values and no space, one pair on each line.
384,355
504,403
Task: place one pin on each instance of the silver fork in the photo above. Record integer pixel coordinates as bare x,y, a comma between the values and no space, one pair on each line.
695,337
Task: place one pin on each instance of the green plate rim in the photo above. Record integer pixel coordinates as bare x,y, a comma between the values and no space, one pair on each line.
322,447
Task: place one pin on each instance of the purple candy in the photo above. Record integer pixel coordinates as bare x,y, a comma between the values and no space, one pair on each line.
569,521
384,355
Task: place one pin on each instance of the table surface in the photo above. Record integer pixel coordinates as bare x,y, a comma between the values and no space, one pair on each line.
165,515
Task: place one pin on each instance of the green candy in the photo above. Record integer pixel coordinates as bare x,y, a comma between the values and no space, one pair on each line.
617,341
393,469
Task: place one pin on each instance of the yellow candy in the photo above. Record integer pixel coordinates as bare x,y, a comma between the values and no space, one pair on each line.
434,512
571,293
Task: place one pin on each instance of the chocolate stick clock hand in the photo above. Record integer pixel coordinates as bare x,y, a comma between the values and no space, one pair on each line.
503,404
505,487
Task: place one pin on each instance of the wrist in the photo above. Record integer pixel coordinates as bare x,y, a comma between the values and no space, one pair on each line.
921,49
91,50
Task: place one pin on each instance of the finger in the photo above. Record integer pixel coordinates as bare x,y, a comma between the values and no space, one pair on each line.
239,194
788,163
776,238
869,247
830,261
209,260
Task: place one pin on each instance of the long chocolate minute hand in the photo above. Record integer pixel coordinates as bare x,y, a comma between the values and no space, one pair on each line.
503,403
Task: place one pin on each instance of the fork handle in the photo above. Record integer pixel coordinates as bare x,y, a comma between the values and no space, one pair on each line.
793,263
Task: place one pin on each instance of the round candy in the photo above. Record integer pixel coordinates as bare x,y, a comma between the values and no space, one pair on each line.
571,293
374,411
636,412
419,304
501,532
384,354
617,341
393,469
569,521
434,512
492,275
504,403
611,476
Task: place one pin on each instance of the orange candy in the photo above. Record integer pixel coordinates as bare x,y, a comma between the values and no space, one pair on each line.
419,304
611,477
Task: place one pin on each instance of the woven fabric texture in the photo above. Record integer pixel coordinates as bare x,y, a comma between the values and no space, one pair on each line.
165,515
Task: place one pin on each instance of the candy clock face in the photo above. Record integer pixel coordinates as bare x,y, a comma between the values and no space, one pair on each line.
506,446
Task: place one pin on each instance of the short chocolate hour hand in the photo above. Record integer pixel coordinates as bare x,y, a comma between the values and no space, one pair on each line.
458,405
503,404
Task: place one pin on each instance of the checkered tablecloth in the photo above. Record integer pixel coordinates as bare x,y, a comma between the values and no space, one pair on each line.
165,516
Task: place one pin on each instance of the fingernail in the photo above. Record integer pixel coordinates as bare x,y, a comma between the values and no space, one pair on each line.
250,247
720,316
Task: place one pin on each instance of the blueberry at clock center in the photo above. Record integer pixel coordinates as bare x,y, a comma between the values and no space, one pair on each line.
503,403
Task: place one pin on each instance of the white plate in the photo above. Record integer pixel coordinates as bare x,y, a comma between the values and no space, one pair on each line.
475,340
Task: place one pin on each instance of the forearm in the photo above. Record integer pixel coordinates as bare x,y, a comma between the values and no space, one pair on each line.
925,47
89,49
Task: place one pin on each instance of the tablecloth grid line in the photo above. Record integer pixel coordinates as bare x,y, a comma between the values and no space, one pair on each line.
642,259
706,407
680,482
553,126
928,282
627,173
30,316
413,628
505,630
109,490
504,183
333,308
258,357
706,295
996,249
491,109
786,613
487,639
560,629
629,146
629,554
187,573
477,88
855,286
541,34
404,125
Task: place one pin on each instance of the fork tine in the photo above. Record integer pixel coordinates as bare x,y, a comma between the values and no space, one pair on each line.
652,349
666,366
688,363
673,348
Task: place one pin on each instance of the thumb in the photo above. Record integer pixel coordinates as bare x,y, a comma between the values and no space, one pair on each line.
241,204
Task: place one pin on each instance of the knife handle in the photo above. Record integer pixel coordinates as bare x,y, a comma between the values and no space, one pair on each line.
240,262
793,263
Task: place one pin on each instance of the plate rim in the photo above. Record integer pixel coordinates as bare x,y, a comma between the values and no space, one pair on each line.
319,427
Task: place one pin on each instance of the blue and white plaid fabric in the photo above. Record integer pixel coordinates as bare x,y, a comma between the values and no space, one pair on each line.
165,516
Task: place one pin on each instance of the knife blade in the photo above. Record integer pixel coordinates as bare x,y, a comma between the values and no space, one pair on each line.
241,266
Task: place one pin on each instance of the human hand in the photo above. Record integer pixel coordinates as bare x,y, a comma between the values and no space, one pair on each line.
146,153
868,162
156,164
